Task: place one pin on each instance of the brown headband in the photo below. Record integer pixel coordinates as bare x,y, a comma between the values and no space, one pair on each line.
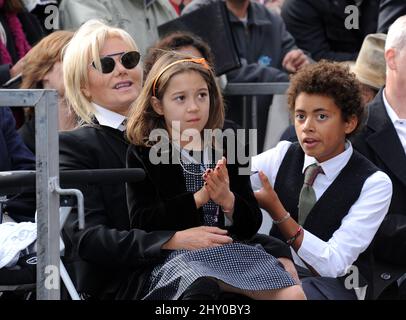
201,61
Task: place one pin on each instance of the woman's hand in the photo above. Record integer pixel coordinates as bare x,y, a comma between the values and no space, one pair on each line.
198,238
218,186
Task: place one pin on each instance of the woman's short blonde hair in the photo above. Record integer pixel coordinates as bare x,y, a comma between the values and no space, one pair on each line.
84,48
143,118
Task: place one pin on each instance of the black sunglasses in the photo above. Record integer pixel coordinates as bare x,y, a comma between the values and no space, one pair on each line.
128,59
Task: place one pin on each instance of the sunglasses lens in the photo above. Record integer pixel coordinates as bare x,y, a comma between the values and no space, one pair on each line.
130,59
107,64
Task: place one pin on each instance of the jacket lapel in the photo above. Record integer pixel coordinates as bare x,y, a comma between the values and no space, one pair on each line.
115,140
384,139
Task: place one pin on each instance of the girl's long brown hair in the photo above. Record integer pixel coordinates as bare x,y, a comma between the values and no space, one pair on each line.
143,118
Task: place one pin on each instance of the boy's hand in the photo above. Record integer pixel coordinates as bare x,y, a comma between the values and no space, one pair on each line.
218,186
266,196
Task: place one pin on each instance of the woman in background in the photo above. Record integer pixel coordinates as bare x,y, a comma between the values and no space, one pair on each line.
43,70
19,30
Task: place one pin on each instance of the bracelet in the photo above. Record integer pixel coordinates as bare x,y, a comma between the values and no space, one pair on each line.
227,211
290,241
232,209
285,217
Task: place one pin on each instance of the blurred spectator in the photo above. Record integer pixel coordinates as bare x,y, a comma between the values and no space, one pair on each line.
267,52
274,5
188,43
178,41
139,18
178,5
14,155
319,26
19,30
43,70
389,11
370,67
383,141
38,8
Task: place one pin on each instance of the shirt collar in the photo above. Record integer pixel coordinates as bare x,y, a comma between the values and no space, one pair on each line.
109,118
391,113
333,166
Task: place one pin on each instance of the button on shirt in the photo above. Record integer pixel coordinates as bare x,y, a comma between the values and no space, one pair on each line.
399,124
358,227
109,118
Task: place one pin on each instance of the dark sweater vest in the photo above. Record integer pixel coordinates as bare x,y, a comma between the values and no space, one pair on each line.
326,215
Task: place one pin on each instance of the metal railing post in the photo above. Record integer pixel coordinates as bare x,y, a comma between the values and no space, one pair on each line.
47,165
45,103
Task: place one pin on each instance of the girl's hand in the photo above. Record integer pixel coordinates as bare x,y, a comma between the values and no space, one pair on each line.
266,196
218,186
198,238
201,197
290,267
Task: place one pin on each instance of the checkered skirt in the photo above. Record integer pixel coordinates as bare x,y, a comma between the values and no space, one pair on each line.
239,265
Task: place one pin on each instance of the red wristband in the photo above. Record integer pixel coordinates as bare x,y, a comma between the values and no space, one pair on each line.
290,241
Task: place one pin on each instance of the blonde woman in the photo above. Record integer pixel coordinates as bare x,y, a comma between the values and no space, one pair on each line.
102,78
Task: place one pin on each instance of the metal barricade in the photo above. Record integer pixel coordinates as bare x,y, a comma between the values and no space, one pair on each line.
254,89
251,89
45,103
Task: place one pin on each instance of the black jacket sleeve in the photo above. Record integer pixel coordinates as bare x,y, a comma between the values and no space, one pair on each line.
390,241
304,22
4,73
150,210
19,156
16,156
255,72
389,11
104,241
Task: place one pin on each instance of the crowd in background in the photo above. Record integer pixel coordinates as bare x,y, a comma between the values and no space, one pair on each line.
116,78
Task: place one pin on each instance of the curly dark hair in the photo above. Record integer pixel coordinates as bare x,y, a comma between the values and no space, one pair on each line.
175,41
330,79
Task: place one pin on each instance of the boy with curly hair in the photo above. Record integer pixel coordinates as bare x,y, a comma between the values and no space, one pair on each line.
326,200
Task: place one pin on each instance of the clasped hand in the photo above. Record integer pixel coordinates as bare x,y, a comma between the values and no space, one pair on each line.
217,187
